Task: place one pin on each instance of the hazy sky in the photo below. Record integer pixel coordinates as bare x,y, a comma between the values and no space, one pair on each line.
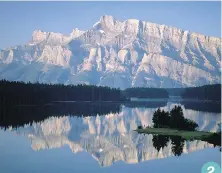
19,19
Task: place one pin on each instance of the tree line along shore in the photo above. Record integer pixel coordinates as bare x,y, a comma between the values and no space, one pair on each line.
15,92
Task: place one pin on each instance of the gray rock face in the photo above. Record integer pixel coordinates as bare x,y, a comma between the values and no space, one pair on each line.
116,54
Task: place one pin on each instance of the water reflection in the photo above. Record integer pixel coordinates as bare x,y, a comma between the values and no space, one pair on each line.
17,116
109,137
160,141
177,145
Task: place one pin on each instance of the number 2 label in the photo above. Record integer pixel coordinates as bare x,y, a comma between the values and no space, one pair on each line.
211,167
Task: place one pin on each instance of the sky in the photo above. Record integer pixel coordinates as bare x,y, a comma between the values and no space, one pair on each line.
19,19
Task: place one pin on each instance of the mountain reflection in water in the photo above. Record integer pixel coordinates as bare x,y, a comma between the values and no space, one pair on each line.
108,135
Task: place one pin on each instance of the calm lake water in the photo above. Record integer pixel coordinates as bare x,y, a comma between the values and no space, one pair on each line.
104,143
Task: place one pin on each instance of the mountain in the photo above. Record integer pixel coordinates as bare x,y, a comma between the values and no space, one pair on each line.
110,138
116,53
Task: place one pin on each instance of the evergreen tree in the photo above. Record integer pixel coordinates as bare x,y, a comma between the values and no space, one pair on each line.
176,118
161,118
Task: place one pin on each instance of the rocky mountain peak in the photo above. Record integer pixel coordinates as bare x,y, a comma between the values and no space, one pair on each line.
107,19
76,33
117,53
38,36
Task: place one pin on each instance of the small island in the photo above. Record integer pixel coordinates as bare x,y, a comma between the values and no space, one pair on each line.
174,123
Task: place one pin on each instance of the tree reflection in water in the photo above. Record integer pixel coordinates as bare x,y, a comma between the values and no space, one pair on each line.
177,145
161,141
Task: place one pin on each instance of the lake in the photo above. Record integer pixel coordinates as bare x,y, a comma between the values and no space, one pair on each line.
58,139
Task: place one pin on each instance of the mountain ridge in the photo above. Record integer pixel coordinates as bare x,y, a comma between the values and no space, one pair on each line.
117,54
